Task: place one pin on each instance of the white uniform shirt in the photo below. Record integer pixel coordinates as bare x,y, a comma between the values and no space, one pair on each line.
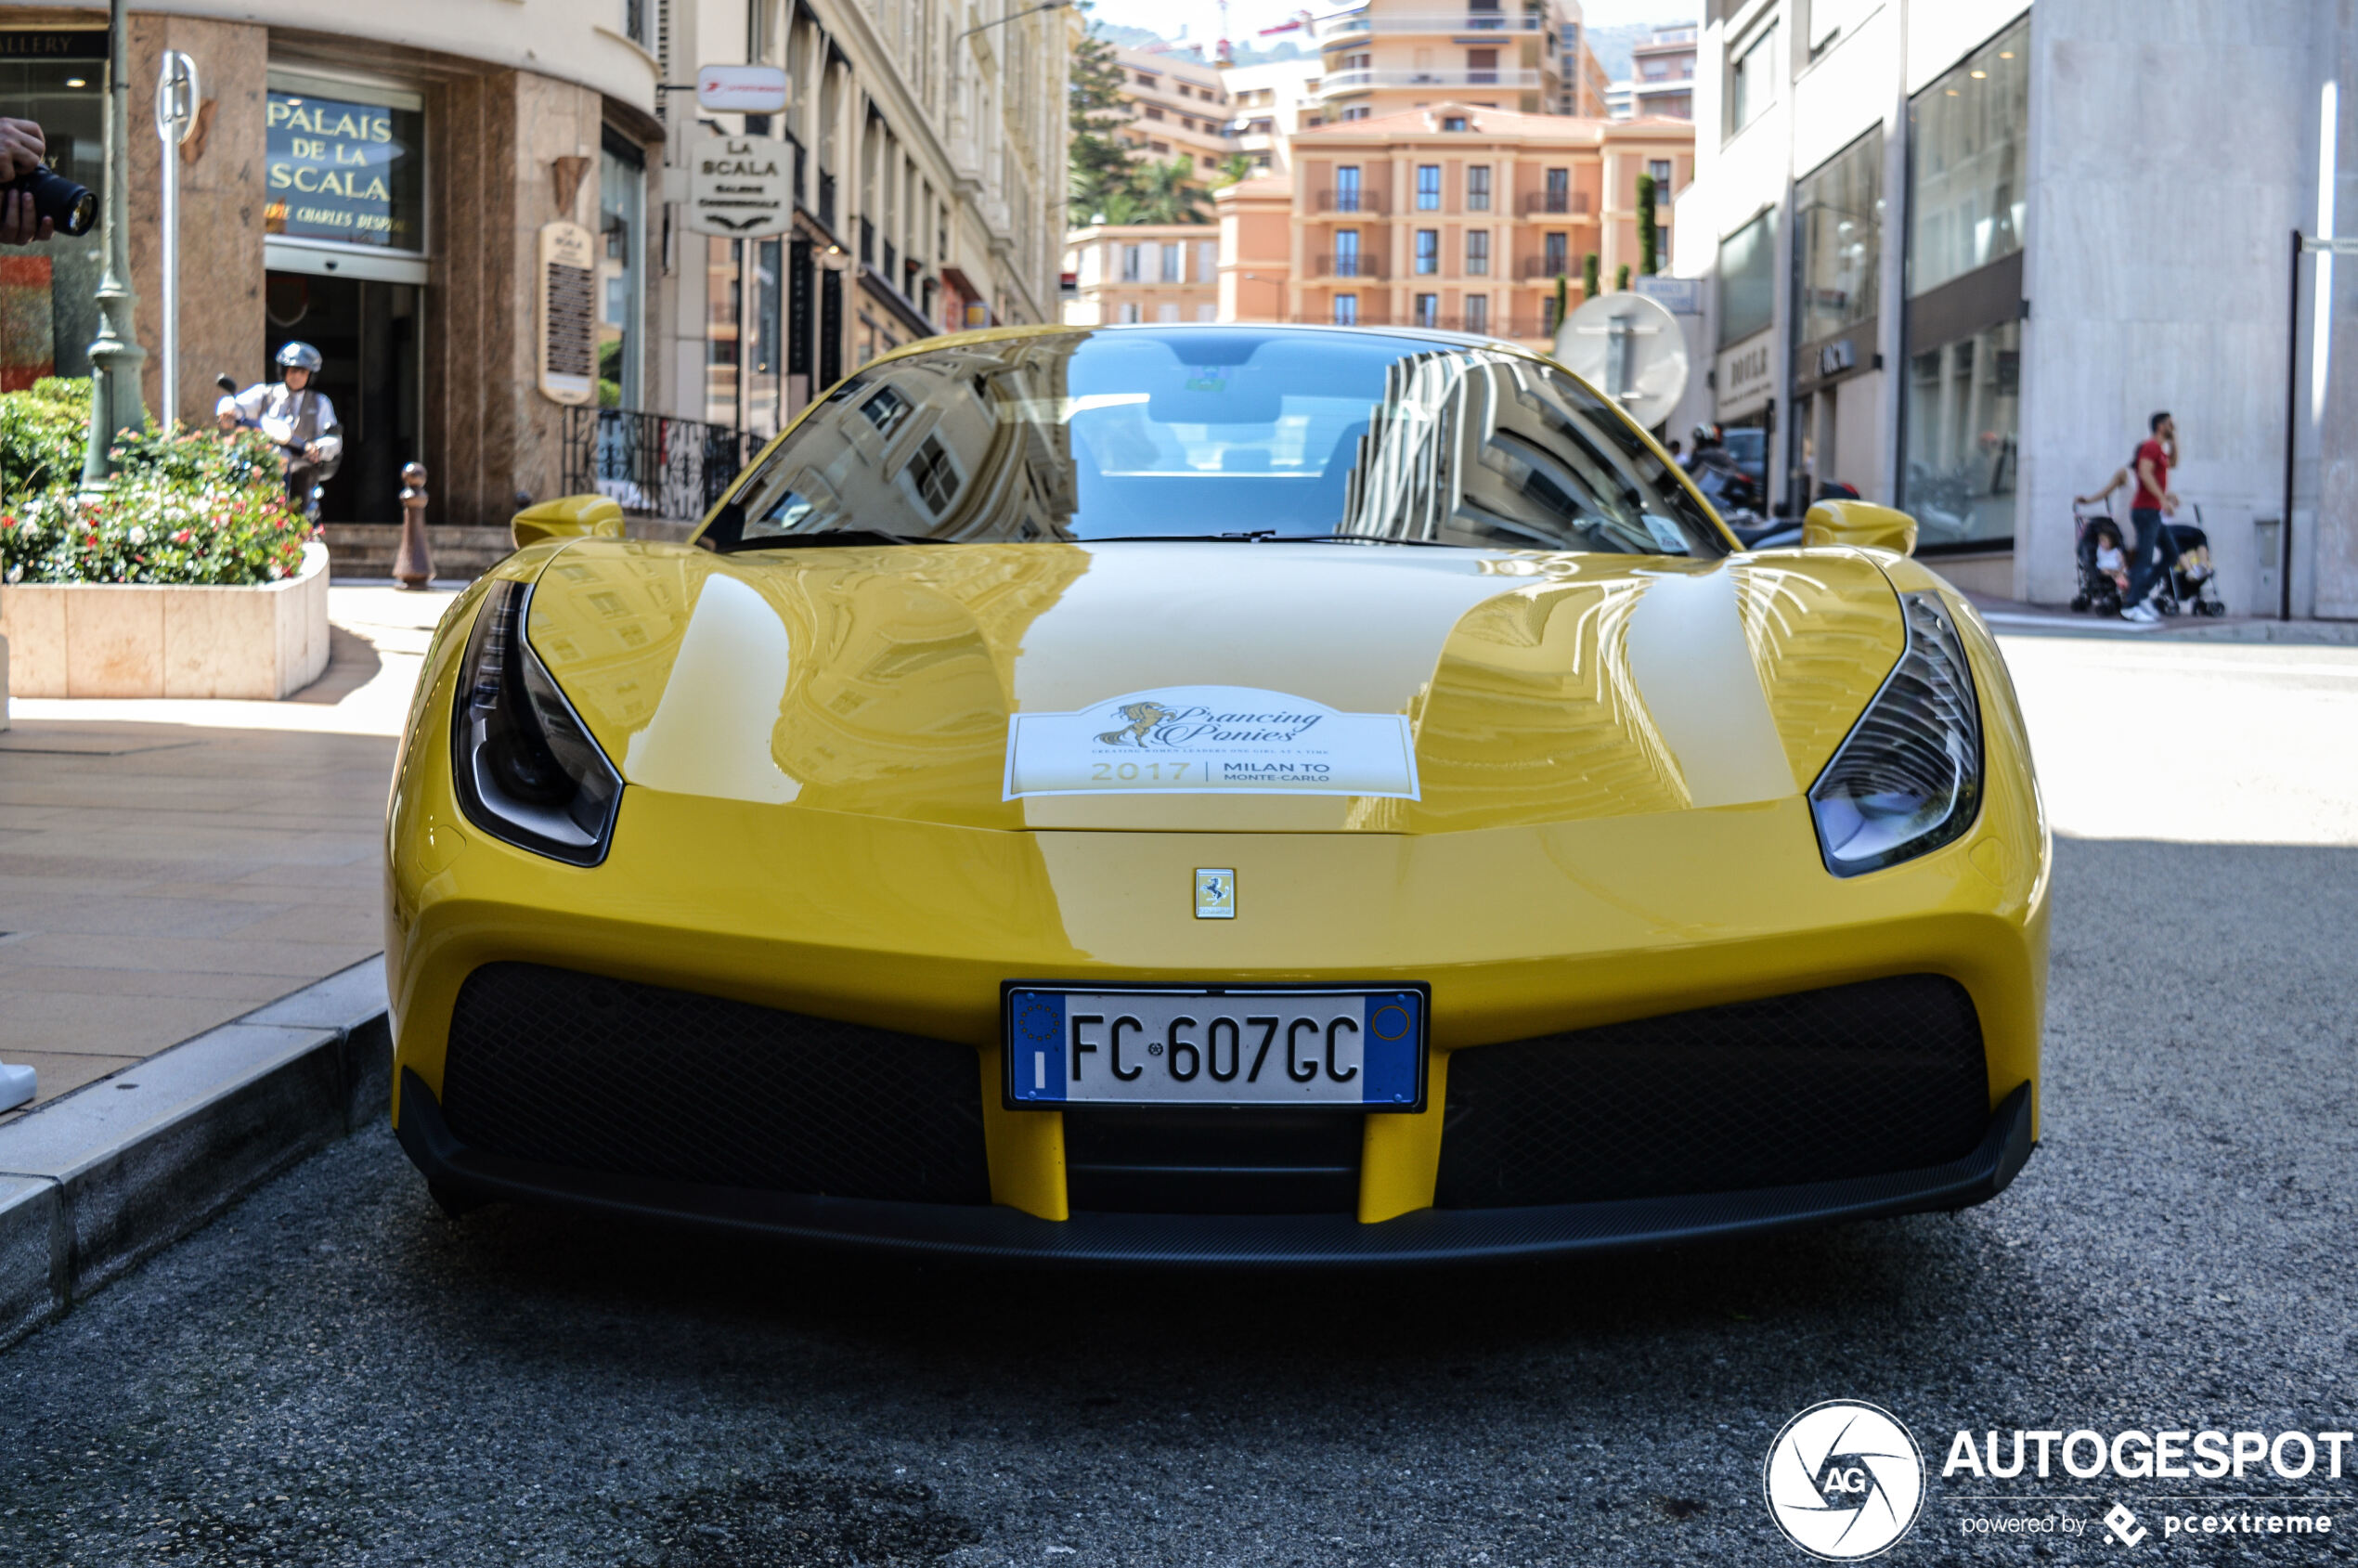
292,418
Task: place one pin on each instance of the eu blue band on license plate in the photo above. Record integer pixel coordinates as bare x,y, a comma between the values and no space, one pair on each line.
1335,1046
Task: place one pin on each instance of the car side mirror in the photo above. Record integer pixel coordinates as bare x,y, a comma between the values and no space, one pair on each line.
568,517
1860,523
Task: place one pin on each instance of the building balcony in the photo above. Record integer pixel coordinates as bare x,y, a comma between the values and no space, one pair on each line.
1530,268
1361,203
1550,204
1359,25
1340,82
1351,264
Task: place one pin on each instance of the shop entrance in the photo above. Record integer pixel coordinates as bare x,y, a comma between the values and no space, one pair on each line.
368,333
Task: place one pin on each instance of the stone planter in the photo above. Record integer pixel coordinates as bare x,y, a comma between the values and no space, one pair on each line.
135,639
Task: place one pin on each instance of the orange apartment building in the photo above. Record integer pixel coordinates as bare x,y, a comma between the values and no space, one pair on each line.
1179,108
1452,217
1380,56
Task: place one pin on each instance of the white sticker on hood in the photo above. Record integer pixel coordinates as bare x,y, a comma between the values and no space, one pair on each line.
1210,740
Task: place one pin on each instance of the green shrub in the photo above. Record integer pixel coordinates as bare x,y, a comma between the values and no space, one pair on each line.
42,431
192,508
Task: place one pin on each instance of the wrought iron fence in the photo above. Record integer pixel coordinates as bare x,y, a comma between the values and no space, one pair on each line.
654,465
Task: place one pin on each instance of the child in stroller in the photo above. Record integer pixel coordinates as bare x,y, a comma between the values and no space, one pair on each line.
2104,564
2186,580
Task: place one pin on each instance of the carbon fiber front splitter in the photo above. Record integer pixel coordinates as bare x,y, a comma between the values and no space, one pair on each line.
1428,1236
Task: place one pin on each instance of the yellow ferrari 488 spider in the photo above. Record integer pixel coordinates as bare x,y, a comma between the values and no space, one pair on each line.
1225,794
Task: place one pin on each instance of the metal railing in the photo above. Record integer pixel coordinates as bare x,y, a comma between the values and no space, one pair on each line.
1356,80
1537,204
1350,263
653,464
1349,201
1545,266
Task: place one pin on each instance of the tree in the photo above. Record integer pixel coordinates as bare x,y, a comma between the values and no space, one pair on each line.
1620,279
1165,193
1589,284
1235,167
1649,238
1099,161
1563,296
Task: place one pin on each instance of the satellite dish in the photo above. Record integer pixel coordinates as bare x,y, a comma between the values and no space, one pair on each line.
1631,348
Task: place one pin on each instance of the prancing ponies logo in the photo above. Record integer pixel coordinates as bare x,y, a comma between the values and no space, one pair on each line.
1843,1480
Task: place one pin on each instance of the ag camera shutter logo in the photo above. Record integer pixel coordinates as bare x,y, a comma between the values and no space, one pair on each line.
1844,1480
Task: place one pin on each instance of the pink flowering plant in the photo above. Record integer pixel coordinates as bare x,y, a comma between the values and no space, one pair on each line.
196,507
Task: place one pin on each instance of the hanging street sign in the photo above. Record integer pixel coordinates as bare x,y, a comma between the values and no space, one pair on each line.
741,186
742,89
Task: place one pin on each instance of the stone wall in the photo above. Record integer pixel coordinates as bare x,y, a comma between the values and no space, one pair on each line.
496,434
221,202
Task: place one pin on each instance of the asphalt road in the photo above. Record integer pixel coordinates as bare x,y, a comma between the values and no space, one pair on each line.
335,1374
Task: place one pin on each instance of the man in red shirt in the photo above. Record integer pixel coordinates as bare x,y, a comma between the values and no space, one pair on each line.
2151,498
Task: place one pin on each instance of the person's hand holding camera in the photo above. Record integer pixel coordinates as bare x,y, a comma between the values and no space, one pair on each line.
21,149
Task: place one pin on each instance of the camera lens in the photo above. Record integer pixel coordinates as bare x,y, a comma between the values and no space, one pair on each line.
72,208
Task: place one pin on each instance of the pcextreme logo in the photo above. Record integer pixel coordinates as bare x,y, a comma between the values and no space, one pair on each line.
1843,1480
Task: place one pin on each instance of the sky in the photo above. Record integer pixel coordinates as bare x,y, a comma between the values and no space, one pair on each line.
1245,18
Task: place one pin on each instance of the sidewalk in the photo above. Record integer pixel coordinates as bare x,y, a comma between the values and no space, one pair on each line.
166,866
2013,617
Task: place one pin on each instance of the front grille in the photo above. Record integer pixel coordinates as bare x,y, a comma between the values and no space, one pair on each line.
1190,1161
1852,1081
565,1068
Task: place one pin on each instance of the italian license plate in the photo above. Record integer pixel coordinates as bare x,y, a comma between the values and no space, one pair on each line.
1346,1046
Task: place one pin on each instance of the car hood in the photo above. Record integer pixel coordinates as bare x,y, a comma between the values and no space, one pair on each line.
1320,687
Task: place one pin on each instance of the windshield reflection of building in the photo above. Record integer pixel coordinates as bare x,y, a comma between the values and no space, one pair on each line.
932,446
1481,444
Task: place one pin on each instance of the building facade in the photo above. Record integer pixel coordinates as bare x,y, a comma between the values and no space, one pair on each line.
1384,57
1142,272
1271,103
927,147
1452,217
1662,74
384,184
1885,189
1179,108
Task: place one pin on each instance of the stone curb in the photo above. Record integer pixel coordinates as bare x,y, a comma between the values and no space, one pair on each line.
95,1183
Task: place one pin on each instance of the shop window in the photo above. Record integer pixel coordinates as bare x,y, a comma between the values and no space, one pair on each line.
1967,143
622,265
48,317
1747,278
1840,208
343,164
1963,419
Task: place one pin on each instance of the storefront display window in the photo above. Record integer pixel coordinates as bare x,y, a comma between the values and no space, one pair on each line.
1965,418
1748,279
621,273
1968,138
48,317
723,313
1840,210
345,163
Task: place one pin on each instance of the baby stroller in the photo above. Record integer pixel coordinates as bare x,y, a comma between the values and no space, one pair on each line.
2098,592
2187,581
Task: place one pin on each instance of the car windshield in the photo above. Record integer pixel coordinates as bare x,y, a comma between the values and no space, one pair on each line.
1212,433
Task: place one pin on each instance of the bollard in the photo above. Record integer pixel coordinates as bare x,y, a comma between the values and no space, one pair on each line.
413,566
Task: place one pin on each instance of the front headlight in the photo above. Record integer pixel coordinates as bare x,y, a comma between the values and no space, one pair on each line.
1908,777
528,770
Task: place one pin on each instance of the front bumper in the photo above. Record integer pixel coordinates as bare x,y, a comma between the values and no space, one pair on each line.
1428,1236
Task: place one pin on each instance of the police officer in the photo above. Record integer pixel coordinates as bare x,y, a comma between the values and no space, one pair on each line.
300,419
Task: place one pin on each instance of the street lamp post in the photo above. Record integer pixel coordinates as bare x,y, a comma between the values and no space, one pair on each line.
1012,15
116,356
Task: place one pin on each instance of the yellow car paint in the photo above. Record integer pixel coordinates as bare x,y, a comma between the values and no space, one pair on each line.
1521,926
